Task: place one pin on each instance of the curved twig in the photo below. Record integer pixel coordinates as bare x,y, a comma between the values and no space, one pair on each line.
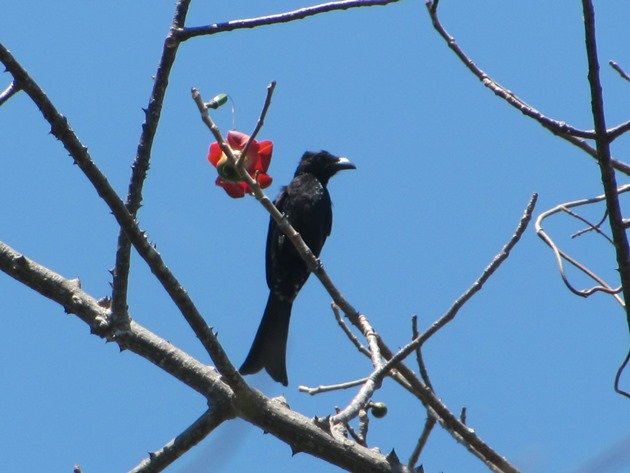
559,128
561,255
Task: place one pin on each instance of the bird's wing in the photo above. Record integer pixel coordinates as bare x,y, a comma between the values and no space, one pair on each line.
275,238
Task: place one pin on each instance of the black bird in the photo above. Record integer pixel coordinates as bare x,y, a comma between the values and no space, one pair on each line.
305,202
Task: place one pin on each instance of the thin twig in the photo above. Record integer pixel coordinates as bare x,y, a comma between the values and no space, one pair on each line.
355,341
591,226
558,128
424,374
184,34
485,275
602,140
429,423
60,128
140,166
460,432
259,124
380,372
560,255
617,131
619,69
371,384
9,92
181,444
620,370
430,420
331,387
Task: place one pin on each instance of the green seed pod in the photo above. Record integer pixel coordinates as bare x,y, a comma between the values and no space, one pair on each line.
379,409
217,101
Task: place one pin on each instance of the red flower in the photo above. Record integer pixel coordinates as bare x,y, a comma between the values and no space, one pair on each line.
256,163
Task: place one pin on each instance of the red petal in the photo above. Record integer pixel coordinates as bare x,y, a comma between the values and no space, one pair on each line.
236,139
265,148
214,154
264,180
234,190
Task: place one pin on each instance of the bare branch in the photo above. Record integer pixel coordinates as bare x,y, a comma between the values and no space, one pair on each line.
561,255
591,226
406,378
620,370
372,384
68,294
9,92
429,423
331,387
478,284
595,227
302,433
181,444
619,130
141,163
558,128
61,129
419,359
459,303
618,68
259,124
355,341
184,34
609,180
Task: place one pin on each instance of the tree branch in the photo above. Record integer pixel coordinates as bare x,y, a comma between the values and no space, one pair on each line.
560,255
9,92
609,181
141,164
620,71
183,34
558,128
61,129
181,444
298,431
450,422
74,300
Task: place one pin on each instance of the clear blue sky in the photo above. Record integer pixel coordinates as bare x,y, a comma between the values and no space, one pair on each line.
444,172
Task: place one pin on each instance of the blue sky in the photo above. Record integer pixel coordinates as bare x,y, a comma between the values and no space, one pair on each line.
445,170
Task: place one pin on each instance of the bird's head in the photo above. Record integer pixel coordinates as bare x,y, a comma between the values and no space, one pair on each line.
322,165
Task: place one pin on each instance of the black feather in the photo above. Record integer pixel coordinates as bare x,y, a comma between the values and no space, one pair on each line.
306,204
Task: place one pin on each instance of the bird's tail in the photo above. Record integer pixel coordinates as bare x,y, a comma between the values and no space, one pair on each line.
270,344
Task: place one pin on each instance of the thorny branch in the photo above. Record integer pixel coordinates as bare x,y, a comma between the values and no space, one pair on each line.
177,447
609,180
406,377
141,165
558,128
60,128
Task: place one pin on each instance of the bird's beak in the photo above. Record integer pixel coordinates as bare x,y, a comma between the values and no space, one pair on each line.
344,163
